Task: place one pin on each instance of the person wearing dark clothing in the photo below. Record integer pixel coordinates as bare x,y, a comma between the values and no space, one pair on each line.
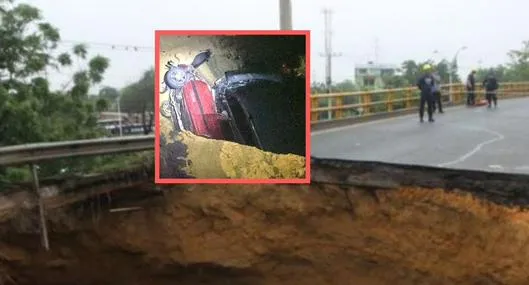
491,87
471,88
437,96
425,85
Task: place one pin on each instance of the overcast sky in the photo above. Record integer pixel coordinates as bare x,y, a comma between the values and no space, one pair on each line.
406,29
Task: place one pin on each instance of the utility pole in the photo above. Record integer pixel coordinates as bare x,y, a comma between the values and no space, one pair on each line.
376,51
285,15
329,54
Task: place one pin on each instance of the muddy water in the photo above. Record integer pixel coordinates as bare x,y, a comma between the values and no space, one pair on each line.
319,234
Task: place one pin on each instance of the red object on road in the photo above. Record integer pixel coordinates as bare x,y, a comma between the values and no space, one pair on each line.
201,108
481,103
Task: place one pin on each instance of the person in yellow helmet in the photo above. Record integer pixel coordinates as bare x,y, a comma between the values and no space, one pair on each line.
471,88
425,83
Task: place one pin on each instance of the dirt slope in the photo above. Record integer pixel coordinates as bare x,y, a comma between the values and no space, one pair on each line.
319,234
205,158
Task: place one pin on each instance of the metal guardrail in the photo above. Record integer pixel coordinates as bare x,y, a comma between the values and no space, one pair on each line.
32,153
37,152
346,105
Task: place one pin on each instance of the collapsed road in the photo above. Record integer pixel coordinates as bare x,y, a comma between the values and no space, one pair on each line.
358,223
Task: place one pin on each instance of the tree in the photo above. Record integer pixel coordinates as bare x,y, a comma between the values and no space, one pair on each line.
318,88
110,94
101,105
443,69
29,110
518,68
344,86
138,97
395,81
410,71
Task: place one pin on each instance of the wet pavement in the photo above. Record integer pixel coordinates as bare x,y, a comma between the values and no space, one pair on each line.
465,138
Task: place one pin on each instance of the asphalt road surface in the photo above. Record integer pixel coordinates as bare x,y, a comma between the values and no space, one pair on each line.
464,138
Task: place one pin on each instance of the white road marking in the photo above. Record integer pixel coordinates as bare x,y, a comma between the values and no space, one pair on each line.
496,166
478,147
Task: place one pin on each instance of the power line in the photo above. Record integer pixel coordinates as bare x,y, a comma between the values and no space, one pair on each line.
111,46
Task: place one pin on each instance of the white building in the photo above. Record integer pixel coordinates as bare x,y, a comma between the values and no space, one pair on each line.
372,75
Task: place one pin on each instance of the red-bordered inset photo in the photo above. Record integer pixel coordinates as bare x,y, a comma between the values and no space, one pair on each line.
232,107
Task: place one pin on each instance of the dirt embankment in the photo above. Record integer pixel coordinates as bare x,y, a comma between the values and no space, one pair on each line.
319,234
186,154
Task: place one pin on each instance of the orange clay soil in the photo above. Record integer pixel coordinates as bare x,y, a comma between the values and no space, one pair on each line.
318,234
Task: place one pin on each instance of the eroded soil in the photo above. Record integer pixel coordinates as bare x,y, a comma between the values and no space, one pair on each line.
318,234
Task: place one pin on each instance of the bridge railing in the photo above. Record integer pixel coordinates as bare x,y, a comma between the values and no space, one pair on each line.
364,104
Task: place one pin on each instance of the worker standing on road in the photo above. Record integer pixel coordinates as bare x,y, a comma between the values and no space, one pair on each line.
437,96
471,88
425,85
491,87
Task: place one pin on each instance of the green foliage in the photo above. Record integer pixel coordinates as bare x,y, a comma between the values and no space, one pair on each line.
395,81
138,97
15,175
343,86
102,105
108,93
412,71
515,70
29,110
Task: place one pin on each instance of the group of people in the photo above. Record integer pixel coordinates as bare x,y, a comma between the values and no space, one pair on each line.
429,85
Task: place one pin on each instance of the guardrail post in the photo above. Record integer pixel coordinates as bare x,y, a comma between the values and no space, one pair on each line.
329,112
458,94
339,103
366,103
390,102
315,116
409,94
42,213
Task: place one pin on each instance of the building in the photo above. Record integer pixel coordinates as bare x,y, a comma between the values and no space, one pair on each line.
371,75
131,124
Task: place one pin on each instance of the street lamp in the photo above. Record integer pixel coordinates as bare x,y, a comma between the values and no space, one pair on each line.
285,15
119,114
434,54
451,70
